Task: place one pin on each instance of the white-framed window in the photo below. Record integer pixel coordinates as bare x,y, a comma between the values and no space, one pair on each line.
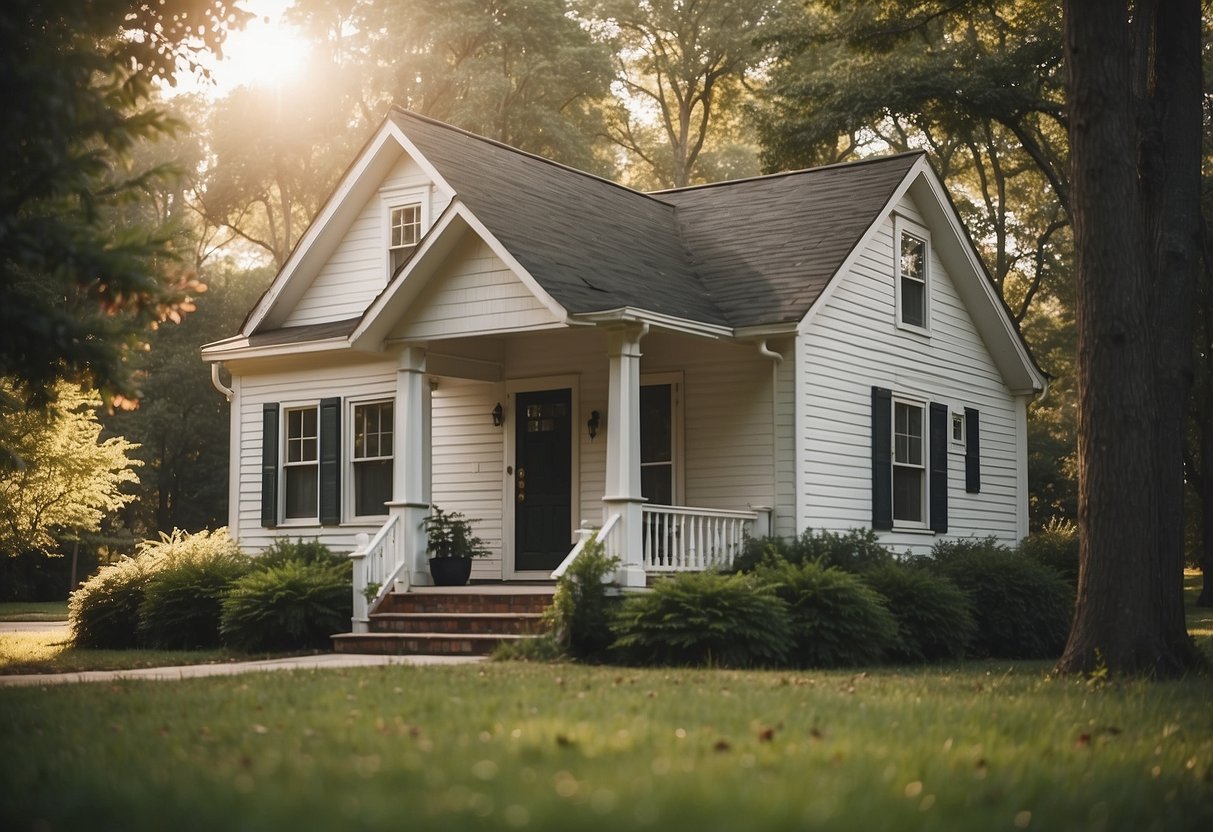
909,462
660,438
958,428
373,447
912,256
301,463
404,232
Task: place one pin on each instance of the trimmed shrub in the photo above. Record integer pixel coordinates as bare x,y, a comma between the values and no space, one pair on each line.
298,551
1023,610
855,551
705,618
540,649
293,605
104,612
934,616
1055,546
181,602
836,619
579,616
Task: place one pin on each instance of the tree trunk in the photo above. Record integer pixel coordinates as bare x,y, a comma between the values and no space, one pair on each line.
1117,620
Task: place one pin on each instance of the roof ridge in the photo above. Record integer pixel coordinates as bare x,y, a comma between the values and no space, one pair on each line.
396,108
786,173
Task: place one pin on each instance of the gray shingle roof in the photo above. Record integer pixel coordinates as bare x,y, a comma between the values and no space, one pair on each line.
756,251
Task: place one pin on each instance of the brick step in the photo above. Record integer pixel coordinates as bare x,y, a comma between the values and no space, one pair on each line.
425,644
513,623
465,602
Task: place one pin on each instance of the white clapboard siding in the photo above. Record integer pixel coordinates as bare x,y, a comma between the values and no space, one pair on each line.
468,462
308,385
851,344
356,272
474,293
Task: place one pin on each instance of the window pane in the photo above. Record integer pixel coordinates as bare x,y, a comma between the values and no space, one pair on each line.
655,424
907,434
372,487
373,430
657,484
907,493
301,491
913,253
913,310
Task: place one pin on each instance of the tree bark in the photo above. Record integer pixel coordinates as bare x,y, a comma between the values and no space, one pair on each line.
1121,620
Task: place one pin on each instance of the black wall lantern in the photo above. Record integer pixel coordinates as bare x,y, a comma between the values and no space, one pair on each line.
498,415
593,423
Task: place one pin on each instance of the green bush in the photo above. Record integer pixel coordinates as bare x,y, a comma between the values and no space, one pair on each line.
855,551
705,618
1023,609
579,616
541,649
181,602
836,619
104,612
298,551
1055,546
934,616
293,605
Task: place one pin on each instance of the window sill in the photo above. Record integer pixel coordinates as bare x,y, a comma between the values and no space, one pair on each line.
920,531
299,523
922,331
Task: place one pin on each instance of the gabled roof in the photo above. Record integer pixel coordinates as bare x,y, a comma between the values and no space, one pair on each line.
753,254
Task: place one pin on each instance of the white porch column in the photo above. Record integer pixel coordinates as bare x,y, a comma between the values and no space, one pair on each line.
411,465
623,492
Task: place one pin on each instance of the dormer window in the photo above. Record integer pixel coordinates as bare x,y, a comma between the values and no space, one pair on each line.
403,234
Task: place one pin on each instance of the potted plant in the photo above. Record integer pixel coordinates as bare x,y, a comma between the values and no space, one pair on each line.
451,547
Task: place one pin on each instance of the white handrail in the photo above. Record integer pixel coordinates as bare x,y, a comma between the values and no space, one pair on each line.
376,562
687,539
584,534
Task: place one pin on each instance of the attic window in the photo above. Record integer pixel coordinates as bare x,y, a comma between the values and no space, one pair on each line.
913,279
404,231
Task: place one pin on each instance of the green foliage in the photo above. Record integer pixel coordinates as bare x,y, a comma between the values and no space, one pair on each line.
59,475
82,275
449,535
836,619
579,616
181,601
934,616
293,605
104,611
1023,609
854,551
1055,546
542,648
308,552
705,618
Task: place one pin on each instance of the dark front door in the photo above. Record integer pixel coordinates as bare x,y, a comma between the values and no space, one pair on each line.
542,478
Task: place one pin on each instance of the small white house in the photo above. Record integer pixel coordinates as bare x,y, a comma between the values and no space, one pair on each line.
471,326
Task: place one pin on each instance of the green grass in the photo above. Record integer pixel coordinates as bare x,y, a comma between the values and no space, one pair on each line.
558,747
22,653
33,611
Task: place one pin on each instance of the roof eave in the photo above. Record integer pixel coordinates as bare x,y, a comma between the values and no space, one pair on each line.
655,320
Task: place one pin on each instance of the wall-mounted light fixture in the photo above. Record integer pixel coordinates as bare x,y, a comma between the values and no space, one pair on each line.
498,415
593,423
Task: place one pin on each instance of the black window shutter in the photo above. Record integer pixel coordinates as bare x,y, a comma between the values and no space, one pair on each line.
330,461
972,452
269,465
938,470
882,458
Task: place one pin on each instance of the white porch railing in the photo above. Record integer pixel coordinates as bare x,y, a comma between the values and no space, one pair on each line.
684,539
377,563
606,535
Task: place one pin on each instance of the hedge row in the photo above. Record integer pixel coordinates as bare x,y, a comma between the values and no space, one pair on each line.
827,600
200,591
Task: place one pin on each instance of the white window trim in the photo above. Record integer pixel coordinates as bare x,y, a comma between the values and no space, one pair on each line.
675,380
390,198
958,416
285,409
903,226
347,486
924,521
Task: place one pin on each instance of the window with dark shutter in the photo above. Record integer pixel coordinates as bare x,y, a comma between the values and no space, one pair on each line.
938,450
269,465
972,451
882,458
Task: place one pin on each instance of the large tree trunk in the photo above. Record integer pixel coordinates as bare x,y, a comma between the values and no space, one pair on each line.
1123,617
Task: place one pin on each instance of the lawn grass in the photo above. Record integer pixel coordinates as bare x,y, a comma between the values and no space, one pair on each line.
33,610
52,652
560,747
